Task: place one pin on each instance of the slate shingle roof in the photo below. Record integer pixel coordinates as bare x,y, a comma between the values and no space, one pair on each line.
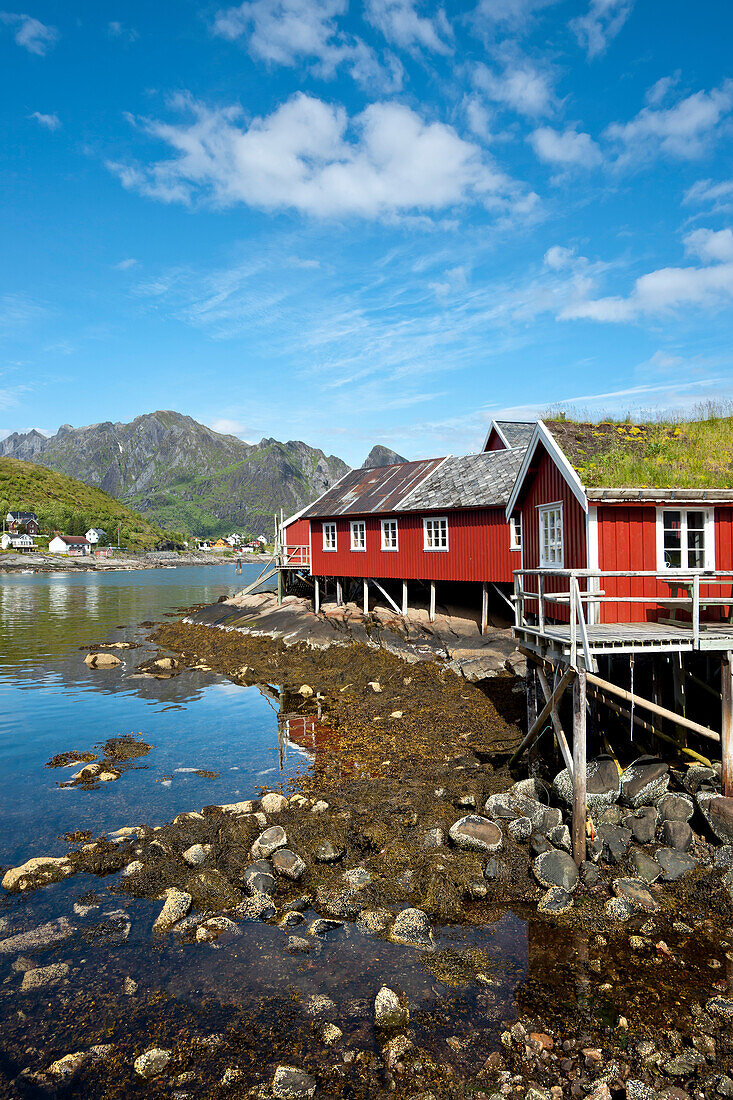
516,432
379,489
468,481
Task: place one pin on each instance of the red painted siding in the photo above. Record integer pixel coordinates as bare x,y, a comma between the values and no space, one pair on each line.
295,534
478,549
547,486
495,442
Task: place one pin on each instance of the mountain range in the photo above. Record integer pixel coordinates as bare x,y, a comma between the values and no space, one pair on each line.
185,476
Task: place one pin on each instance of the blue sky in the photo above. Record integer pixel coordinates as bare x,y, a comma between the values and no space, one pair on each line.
365,221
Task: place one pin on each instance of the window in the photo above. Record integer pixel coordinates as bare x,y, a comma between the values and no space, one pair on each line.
329,536
435,534
685,538
551,543
389,534
358,535
515,533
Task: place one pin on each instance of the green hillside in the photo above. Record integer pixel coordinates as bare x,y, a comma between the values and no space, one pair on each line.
64,504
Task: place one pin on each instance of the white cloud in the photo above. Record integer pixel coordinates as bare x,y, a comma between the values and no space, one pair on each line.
566,148
308,156
225,425
660,292
401,24
515,14
521,86
116,29
286,32
30,33
50,122
602,22
478,117
717,195
711,246
559,257
683,131
659,91
454,280
125,265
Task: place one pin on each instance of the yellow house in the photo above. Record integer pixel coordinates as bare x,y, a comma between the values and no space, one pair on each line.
220,545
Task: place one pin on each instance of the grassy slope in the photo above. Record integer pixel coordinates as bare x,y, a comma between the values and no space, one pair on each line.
673,454
62,502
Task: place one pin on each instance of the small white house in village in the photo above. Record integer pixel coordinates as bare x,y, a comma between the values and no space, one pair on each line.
73,545
95,535
21,543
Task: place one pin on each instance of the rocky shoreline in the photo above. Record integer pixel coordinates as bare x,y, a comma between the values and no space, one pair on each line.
153,559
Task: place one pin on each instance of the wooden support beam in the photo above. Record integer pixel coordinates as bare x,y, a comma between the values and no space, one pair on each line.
432,601
536,729
339,593
279,586
366,596
726,683
557,724
579,766
404,597
642,723
386,595
646,704
484,607
317,595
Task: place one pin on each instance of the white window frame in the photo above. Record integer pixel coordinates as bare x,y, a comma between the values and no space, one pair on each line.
427,523
358,536
515,533
709,528
387,523
330,534
542,511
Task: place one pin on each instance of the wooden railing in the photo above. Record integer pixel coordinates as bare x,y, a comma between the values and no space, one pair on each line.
296,556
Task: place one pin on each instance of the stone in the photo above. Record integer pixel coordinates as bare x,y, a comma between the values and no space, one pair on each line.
129,987
532,788
132,868
676,807
698,775
305,690
589,875
615,841
212,891
44,975
88,772
556,868
677,835
723,857
555,901
245,807
718,812
685,1064
299,946
37,872
323,924
176,905
152,1063
108,777
638,1090
44,935
506,805
258,907
434,838
196,854
273,803
389,1009
327,852
214,927
288,864
358,878
476,834
492,870
647,869
618,909
68,1065
102,660
560,837
520,829
644,783
319,807
375,686
674,864
290,918
643,824
290,1083
412,928
331,1034
269,841
372,921
602,783
636,893
551,819
722,1007
539,844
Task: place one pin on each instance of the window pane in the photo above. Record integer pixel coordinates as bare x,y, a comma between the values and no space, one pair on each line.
695,521
673,559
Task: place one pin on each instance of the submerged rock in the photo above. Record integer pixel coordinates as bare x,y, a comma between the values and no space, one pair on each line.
556,868
329,853
555,901
636,893
152,1063
372,921
290,1083
37,872
177,904
412,928
44,935
645,782
389,1009
434,838
476,834
44,975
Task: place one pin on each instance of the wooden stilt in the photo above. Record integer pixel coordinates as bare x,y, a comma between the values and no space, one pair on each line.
531,693
404,597
536,729
339,594
432,601
579,766
555,719
279,586
318,594
366,596
726,683
484,607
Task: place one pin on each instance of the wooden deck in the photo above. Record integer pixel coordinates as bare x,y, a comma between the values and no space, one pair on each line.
555,639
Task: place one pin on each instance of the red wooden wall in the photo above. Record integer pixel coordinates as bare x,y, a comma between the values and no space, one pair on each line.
547,486
478,549
494,442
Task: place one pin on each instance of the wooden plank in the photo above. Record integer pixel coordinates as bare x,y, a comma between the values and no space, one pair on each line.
536,729
339,594
365,595
318,596
579,766
432,601
484,607
727,724
404,597
387,596
646,704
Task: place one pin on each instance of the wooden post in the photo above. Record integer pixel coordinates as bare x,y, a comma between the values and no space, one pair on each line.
484,607
726,684
317,587
579,766
404,597
279,586
366,596
432,601
531,714
339,594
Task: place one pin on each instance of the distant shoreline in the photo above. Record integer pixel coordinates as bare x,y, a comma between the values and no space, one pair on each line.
152,559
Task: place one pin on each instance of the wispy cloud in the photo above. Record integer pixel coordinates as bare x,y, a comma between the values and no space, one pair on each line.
684,131
565,149
49,122
118,30
402,24
30,33
718,196
600,24
710,245
126,264
519,84
516,15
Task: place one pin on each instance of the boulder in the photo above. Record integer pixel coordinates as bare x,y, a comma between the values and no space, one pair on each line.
647,869
532,788
288,864
507,805
615,841
389,1010
37,872
41,976
676,807
269,841
644,783
327,852
152,1063
412,928
257,881
520,829
589,875
258,907
636,893
177,904
697,776
676,834
674,864
290,1083
618,909
373,921
196,854
642,824
718,812
556,868
273,803
602,783
555,901
560,837
476,834
101,660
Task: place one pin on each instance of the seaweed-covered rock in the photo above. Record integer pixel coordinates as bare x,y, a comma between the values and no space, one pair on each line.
176,905
412,928
674,864
476,834
290,1083
269,841
390,1011
636,893
212,891
556,868
555,901
288,864
645,782
152,1063
328,852
602,783
373,921
37,872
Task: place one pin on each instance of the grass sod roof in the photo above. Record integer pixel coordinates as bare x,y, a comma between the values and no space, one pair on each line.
696,454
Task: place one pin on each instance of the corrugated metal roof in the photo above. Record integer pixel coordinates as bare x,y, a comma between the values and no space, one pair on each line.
468,481
516,432
379,489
